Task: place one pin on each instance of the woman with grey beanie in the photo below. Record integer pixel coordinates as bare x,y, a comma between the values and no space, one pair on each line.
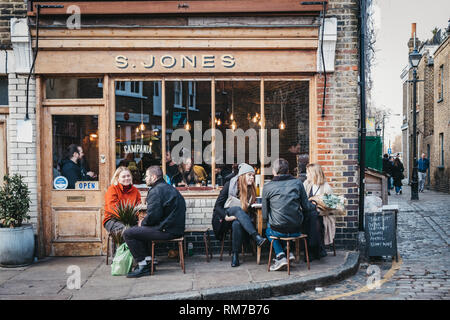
232,210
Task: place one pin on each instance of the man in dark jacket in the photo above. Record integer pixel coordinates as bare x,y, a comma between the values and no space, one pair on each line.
165,220
283,200
69,166
387,170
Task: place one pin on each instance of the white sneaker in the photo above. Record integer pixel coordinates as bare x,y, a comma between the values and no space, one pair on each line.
279,264
291,256
149,261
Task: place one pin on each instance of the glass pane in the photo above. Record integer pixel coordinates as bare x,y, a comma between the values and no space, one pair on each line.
75,152
287,109
188,107
72,88
138,127
238,119
3,91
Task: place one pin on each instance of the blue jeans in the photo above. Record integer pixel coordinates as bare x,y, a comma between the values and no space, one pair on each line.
397,189
242,225
279,246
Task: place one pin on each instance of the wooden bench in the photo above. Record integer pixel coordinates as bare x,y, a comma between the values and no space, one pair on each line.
206,239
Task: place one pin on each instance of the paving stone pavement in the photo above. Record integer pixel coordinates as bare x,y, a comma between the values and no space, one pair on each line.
423,243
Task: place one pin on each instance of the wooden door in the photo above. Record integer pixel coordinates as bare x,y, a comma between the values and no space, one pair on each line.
73,215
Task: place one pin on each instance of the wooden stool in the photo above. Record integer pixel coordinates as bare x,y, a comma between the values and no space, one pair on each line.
297,249
113,249
206,240
180,251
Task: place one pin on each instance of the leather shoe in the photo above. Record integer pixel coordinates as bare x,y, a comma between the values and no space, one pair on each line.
235,260
140,271
260,240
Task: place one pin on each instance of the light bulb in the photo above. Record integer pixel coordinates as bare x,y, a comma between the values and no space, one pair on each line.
142,126
137,129
255,119
187,126
282,125
231,117
219,122
233,125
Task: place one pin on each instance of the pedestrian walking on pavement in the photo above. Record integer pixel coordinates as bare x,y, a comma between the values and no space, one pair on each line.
423,166
397,173
233,210
387,170
165,220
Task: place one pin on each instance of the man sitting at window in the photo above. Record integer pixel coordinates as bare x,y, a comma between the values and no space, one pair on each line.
70,168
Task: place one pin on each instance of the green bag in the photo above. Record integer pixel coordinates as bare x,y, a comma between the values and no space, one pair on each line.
122,261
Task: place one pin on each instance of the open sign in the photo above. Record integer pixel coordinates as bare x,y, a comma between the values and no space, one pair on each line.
86,185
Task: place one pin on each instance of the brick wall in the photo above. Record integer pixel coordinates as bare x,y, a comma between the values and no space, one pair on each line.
9,9
337,133
22,156
440,175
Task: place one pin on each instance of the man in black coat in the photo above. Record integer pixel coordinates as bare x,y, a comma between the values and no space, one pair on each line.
69,166
387,170
165,220
284,202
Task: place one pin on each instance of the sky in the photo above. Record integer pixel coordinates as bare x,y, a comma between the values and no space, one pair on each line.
393,19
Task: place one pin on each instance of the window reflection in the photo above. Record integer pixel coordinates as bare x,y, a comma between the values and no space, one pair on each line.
73,88
188,106
138,126
287,109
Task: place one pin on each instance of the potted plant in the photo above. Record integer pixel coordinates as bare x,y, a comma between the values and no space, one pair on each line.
16,238
128,215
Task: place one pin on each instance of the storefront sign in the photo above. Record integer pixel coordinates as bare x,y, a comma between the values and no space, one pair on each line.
168,61
86,185
60,183
137,148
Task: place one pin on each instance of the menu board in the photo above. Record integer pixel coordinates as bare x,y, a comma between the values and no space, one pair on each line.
381,233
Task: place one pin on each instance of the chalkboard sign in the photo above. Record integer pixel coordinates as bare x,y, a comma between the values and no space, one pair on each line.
381,232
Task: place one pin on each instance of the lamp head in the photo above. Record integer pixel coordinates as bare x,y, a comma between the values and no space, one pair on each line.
414,58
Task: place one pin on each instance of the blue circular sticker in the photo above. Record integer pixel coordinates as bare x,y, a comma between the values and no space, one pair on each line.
60,183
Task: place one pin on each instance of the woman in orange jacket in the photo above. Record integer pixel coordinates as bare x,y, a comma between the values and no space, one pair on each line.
121,190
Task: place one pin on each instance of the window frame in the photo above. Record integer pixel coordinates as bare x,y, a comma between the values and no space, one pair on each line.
312,85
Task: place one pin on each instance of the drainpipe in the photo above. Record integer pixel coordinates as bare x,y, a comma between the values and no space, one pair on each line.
362,84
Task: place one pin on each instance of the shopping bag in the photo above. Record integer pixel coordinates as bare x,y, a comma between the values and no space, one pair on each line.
122,261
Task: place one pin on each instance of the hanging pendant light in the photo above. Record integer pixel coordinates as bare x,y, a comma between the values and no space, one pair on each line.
187,126
219,122
233,125
232,102
282,125
142,126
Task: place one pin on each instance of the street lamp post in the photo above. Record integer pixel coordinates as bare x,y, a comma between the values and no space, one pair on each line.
414,59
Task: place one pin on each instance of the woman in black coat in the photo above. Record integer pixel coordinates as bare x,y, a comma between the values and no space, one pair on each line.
397,174
236,215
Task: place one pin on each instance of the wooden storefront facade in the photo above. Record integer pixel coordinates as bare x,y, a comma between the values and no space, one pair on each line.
70,221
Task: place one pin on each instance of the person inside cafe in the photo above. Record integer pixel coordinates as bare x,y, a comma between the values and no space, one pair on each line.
86,173
121,190
233,210
171,167
165,220
284,203
69,166
189,174
325,226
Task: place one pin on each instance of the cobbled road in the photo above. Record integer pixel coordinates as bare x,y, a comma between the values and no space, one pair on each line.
422,273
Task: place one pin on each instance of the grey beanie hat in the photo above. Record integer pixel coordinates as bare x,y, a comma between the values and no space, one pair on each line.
245,168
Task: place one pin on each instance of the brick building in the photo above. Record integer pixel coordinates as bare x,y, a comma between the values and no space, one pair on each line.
133,74
432,111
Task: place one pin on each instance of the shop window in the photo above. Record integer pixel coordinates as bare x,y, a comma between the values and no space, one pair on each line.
3,91
73,88
138,127
75,151
187,123
287,109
